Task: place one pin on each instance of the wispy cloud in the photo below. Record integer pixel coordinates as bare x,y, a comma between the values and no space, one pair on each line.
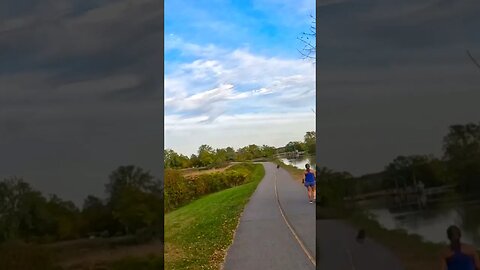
234,75
231,80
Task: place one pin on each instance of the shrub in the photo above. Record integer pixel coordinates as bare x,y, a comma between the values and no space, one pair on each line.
180,190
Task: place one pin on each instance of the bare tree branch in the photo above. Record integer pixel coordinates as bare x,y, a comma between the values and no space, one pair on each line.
308,39
473,59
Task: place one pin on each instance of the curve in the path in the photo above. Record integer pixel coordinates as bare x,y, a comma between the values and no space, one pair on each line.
338,249
263,239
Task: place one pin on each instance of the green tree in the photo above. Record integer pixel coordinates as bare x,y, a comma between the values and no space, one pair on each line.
310,140
135,198
175,160
244,154
462,153
206,155
19,209
97,217
65,216
268,151
231,154
254,150
220,156
295,146
128,176
406,171
26,214
136,209
335,186
195,161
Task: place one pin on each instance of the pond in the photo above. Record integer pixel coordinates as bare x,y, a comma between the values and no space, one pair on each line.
300,161
431,224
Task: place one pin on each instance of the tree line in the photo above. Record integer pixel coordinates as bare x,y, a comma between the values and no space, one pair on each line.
459,165
207,156
134,206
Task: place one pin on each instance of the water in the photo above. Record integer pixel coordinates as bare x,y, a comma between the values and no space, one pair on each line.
300,161
431,224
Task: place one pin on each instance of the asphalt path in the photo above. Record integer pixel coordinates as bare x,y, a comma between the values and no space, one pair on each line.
338,249
277,227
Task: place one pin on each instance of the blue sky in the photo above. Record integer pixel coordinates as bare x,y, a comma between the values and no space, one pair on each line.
233,73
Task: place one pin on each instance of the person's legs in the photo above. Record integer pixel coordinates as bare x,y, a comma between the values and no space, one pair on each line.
309,191
314,192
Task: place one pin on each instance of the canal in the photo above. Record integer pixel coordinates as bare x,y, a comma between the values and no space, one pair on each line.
431,224
300,161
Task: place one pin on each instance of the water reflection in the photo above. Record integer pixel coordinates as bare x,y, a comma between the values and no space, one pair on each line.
432,224
300,161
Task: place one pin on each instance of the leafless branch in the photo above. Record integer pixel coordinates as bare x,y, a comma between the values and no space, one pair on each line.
473,59
308,40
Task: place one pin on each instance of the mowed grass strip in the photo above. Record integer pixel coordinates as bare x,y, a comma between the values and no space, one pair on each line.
197,235
295,172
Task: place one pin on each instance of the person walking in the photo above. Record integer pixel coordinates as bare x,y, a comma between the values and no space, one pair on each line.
309,182
459,256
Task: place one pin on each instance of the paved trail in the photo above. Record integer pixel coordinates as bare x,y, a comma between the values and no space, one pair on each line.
338,249
264,239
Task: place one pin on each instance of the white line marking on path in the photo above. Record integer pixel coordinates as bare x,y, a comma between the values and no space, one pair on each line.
310,257
350,258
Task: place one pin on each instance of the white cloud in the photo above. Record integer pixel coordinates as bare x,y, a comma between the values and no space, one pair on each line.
173,42
221,91
276,129
211,81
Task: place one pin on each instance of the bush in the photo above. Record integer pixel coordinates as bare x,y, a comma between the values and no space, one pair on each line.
180,190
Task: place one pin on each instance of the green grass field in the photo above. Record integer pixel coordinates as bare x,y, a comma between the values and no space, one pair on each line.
197,235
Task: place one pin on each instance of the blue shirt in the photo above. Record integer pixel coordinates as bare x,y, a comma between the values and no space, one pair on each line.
309,177
460,261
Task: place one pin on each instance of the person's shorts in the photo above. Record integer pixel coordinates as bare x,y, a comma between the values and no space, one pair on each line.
309,184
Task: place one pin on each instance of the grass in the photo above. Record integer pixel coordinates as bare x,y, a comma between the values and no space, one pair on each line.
112,257
22,256
295,172
81,256
198,235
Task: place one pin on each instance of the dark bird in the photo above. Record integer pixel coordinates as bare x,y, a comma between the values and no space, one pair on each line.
361,236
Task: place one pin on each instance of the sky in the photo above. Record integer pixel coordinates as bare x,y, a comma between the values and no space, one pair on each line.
392,77
233,73
81,90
